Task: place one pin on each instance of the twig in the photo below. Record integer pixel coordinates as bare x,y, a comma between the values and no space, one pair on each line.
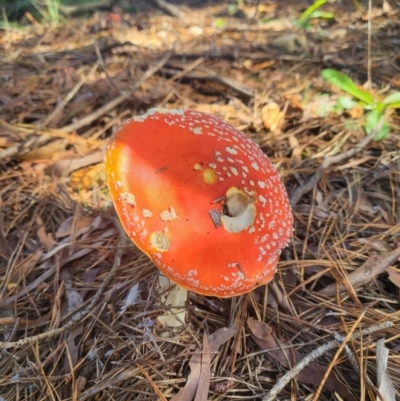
70,95
81,315
336,356
304,189
70,9
291,374
369,59
209,75
172,9
354,364
34,140
374,266
115,102
101,61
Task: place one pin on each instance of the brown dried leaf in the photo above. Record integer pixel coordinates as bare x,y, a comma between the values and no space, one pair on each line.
220,337
5,249
288,357
46,239
215,340
376,244
204,381
188,392
272,116
74,300
356,112
296,148
64,167
370,269
83,225
394,275
49,151
384,382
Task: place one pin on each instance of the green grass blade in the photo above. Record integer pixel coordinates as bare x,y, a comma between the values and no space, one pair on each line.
392,99
371,123
307,13
346,84
322,14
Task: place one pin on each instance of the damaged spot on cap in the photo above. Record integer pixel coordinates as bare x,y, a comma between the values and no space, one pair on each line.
159,241
239,210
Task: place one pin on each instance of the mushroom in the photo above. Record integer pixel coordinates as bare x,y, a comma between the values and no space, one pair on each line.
200,199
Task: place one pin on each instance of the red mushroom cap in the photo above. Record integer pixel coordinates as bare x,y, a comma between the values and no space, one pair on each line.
200,198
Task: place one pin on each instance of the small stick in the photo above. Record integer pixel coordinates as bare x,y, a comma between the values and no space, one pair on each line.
118,100
101,61
69,96
369,59
81,315
304,189
292,373
336,356
14,150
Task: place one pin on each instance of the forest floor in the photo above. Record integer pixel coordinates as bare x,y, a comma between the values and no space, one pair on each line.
79,310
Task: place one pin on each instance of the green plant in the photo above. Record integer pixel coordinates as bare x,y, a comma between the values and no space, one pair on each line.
220,23
312,12
377,109
49,10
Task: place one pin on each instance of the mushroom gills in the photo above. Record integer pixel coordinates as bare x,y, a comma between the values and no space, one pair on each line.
239,210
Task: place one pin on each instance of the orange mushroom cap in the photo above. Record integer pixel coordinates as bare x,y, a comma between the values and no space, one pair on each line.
200,198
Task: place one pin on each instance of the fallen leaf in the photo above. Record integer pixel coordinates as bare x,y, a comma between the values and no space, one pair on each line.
215,340
188,392
297,150
357,112
49,151
374,266
220,337
64,167
375,244
204,381
5,249
394,275
46,239
272,116
383,380
82,225
132,298
288,356
74,300
48,270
